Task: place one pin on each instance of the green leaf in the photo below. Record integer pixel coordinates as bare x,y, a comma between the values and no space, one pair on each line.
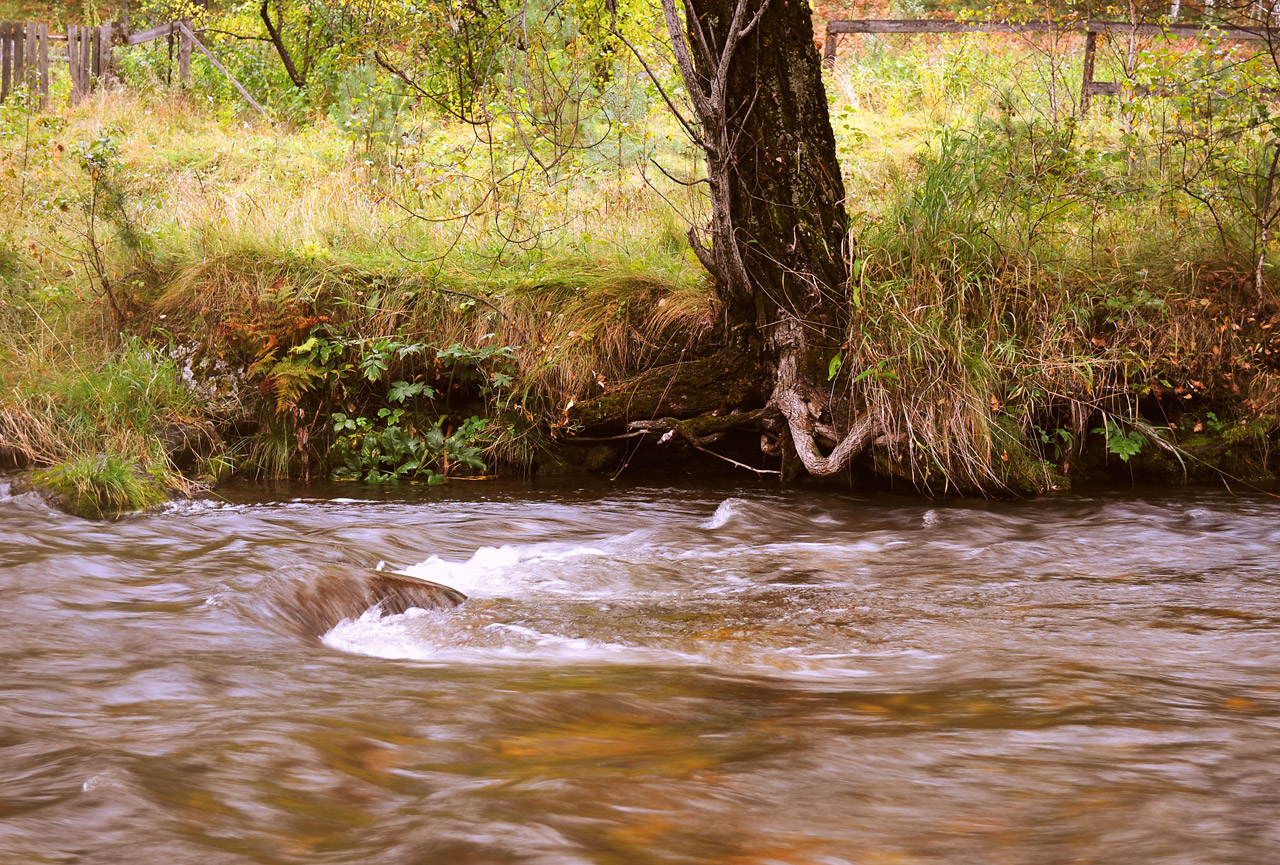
1126,446
402,390
1119,443
373,366
833,368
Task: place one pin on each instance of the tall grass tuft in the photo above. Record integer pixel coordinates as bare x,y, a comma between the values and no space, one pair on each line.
101,486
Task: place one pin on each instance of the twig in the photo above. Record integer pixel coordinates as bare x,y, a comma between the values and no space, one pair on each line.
738,464
630,435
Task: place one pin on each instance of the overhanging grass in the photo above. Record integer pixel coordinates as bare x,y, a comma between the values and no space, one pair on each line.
102,486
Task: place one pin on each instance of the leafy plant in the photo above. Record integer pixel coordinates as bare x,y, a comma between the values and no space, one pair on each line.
1120,443
1060,440
384,450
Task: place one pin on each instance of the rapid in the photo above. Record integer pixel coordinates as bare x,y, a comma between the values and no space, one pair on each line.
642,674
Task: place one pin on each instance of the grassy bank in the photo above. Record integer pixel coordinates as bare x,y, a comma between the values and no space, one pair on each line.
269,277
191,291
1034,286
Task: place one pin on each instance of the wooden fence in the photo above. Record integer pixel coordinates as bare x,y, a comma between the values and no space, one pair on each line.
24,60
1090,29
24,56
89,56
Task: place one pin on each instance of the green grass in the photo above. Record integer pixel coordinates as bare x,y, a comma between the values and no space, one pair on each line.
103,486
1021,272
63,401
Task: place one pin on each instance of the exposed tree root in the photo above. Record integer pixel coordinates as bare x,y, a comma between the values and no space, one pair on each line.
787,405
702,387
703,430
802,415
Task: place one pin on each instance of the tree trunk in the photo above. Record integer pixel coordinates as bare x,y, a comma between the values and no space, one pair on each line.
779,231
778,239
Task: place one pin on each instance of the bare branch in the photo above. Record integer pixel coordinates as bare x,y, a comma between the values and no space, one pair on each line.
668,175
702,103
680,118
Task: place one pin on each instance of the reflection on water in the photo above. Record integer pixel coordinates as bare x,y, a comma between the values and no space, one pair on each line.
644,675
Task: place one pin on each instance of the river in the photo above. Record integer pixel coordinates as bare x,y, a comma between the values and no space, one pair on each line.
644,674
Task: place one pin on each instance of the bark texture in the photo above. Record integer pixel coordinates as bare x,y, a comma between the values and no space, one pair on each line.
778,238
277,39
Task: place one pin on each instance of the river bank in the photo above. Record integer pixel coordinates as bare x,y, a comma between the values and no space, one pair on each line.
193,295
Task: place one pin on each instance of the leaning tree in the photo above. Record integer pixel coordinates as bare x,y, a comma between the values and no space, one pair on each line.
777,244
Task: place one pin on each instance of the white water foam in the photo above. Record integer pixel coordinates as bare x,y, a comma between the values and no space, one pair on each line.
503,571
455,637
422,635
643,566
220,599
381,636
109,779
728,509
195,507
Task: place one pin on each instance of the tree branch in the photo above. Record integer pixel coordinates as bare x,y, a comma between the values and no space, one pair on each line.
298,80
680,48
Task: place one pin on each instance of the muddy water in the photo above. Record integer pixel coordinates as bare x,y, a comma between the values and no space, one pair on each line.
644,674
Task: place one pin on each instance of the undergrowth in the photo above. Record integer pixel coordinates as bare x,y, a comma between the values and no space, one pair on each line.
1030,286
279,273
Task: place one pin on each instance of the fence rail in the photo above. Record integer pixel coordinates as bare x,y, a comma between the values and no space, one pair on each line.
1090,29
906,25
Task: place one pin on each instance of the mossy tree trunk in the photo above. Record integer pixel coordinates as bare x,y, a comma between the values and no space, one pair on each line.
777,241
777,244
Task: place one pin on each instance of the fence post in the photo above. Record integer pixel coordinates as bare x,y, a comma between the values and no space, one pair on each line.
184,53
829,49
17,40
44,66
31,76
86,59
95,52
106,33
1086,85
6,60
73,59
79,59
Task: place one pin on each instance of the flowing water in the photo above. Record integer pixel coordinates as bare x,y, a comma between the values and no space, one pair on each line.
642,674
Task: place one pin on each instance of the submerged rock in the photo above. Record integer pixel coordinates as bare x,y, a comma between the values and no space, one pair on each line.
312,607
